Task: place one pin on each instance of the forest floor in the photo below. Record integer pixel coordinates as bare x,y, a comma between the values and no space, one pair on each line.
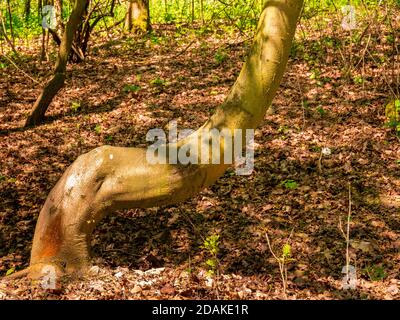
297,194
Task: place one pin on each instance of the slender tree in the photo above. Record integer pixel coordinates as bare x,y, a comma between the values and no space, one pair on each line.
112,178
57,81
11,22
27,9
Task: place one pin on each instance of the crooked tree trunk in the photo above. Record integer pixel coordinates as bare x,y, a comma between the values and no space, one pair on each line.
137,16
57,82
112,178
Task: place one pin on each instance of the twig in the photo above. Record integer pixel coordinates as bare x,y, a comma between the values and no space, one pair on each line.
348,233
281,264
18,68
185,49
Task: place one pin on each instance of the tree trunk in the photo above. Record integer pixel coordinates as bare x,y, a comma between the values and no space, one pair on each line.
3,32
27,9
112,178
128,15
202,11
11,22
58,5
192,11
138,16
57,82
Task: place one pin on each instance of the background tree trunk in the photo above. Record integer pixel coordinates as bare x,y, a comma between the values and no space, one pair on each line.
58,5
112,178
128,15
137,17
192,11
57,82
3,31
11,22
27,9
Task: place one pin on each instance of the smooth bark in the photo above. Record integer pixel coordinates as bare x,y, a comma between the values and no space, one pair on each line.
112,178
137,16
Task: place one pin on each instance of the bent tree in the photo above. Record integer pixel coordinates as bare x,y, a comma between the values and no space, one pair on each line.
108,178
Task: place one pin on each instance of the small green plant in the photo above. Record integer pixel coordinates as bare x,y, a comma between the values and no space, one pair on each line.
97,129
211,244
358,79
131,88
321,111
4,177
154,39
75,106
392,112
109,138
283,129
286,251
314,74
158,82
290,184
12,180
390,39
169,17
283,259
220,56
375,273
315,149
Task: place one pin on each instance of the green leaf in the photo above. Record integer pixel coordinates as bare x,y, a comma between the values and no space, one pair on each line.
376,273
321,110
358,79
286,250
109,138
290,184
211,243
131,88
158,82
75,106
10,271
97,129
211,263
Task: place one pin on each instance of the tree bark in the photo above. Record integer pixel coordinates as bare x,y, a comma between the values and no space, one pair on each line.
112,178
11,22
57,82
27,9
137,16
58,5
192,11
3,31
128,15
